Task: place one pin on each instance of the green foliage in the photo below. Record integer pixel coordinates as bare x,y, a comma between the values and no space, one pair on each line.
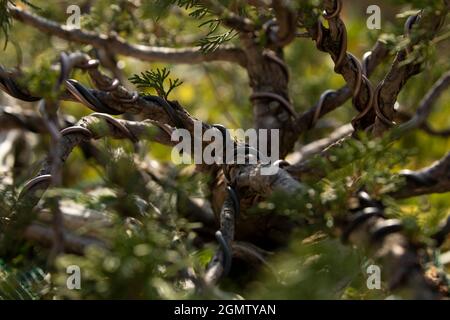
146,257
144,262
155,80
14,218
5,19
41,79
356,164
107,17
30,285
199,9
312,8
212,42
317,268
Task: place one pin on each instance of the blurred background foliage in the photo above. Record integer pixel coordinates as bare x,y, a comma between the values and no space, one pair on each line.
146,257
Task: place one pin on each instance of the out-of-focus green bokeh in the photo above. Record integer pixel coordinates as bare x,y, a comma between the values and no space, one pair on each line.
219,92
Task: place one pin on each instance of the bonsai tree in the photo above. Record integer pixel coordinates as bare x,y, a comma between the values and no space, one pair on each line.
342,194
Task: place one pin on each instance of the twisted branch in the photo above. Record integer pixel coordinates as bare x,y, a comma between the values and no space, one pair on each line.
346,64
369,227
432,179
220,264
389,88
91,127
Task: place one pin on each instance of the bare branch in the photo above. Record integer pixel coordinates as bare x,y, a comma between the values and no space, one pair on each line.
119,46
251,177
286,23
402,117
433,179
16,118
73,243
320,144
78,218
445,133
426,105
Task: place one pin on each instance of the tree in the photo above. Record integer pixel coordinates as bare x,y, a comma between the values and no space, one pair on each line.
334,212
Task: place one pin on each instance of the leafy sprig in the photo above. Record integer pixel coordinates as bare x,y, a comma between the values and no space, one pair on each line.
155,80
211,42
199,10
5,18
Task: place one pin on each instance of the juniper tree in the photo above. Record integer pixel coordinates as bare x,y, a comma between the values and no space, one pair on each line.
361,184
